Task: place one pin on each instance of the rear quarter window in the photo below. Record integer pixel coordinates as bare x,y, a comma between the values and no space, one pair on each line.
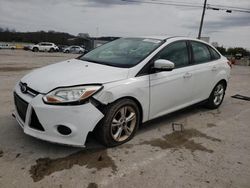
215,55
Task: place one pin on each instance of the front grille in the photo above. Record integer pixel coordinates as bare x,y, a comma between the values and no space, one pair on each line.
35,123
21,106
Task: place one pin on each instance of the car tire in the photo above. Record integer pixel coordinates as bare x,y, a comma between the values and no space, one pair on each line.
119,124
51,50
216,97
35,49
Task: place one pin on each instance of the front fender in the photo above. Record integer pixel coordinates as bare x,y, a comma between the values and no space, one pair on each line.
137,88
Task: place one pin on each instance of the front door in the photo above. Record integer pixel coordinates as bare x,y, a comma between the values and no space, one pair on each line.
171,90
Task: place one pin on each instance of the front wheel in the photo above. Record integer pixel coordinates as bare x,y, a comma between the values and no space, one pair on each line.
217,96
120,123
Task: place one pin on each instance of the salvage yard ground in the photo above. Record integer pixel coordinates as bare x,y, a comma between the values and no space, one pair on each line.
212,151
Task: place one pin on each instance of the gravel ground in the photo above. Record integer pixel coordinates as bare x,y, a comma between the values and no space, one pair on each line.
212,151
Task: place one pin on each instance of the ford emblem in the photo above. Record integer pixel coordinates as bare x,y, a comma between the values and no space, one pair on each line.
23,87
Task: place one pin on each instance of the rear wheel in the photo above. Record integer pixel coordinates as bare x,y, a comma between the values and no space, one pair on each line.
120,123
217,96
35,49
51,50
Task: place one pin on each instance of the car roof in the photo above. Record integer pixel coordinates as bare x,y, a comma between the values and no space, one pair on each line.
47,42
165,37
159,37
173,38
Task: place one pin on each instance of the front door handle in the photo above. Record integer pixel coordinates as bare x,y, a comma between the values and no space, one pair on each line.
187,75
214,68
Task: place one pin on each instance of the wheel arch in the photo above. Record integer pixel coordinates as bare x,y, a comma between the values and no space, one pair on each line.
133,99
224,82
104,106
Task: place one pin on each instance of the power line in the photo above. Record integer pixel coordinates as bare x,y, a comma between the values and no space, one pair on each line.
222,6
205,6
181,2
228,9
163,3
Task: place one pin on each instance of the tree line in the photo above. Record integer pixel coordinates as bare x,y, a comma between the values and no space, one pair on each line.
233,51
10,35
7,35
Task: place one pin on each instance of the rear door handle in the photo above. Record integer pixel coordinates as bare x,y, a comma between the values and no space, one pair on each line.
187,75
214,68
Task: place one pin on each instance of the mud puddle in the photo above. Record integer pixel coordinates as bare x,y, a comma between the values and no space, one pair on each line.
95,158
209,125
1,153
181,139
92,185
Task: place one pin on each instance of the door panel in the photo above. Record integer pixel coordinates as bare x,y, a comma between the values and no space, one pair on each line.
170,91
203,75
204,71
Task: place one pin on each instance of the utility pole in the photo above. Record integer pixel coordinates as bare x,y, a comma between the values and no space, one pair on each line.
202,18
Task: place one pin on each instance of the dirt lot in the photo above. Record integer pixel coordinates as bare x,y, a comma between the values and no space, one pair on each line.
213,151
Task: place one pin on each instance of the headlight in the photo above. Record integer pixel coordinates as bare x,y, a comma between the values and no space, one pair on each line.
71,94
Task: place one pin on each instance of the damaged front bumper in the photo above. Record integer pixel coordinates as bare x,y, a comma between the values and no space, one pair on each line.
68,125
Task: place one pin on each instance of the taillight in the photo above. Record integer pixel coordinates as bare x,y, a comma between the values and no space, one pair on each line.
230,64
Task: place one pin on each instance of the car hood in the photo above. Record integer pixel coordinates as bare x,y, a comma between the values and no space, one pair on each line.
70,73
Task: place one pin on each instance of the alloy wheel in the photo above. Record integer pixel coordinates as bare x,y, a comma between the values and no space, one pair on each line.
218,94
123,123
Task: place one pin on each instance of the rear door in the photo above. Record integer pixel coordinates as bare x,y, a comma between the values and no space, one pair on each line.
48,46
73,49
171,90
204,70
42,46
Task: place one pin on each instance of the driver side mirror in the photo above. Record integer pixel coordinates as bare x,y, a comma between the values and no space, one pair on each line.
163,65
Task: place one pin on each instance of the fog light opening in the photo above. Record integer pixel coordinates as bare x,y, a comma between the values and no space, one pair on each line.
63,130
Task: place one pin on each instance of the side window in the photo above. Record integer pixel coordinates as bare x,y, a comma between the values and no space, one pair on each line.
214,54
176,53
200,52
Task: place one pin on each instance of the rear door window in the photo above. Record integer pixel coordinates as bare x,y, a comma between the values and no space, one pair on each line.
201,53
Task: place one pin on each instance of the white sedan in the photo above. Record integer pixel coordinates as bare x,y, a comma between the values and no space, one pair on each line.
74,49
118,86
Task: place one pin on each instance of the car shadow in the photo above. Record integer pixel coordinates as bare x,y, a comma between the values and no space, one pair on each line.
174,117
44,147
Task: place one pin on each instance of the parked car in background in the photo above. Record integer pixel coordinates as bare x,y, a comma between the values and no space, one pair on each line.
7,46
62,47
74,49
116,87
44,47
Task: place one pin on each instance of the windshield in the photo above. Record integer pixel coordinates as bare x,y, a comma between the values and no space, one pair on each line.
125,52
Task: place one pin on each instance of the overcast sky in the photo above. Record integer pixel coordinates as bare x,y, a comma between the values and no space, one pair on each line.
118,18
